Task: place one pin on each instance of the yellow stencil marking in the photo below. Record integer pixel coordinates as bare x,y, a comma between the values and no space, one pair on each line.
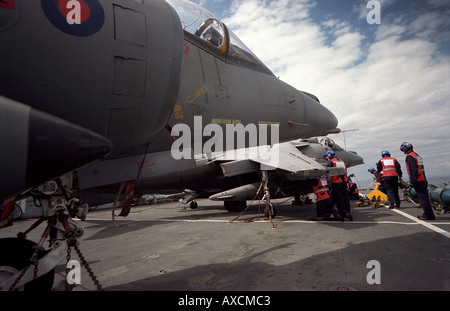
178,112
225,121
191,98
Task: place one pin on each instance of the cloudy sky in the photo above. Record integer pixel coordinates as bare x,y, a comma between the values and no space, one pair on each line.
391,81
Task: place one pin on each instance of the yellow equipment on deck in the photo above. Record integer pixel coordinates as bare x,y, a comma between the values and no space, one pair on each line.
375,196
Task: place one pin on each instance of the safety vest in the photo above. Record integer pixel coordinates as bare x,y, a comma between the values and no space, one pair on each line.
339,178
381,175
420,167
389,168
321,190
354,191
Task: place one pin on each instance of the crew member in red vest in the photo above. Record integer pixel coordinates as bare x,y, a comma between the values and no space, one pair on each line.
353,190
339,187
392,173
324,201
416,172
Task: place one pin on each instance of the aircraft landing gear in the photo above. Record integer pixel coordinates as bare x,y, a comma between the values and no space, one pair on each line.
26,265
270,210
17,255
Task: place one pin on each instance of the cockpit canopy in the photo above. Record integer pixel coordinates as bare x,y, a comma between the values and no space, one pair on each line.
200,23
328,142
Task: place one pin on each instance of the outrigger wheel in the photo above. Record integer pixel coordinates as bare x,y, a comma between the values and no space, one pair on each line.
14,256
193,205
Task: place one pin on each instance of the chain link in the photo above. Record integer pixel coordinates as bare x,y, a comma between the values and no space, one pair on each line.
71,242
36,264
13,285
67,285
32,261
88,268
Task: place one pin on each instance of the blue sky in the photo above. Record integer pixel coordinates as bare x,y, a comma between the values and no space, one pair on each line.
389,80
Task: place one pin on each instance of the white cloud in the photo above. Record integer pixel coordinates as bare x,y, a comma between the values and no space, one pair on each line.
394,89
387,30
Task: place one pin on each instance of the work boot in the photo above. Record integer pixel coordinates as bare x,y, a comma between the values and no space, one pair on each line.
349,216
425,217
316,218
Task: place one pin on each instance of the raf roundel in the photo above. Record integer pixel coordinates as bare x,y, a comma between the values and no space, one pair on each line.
7,4
79,18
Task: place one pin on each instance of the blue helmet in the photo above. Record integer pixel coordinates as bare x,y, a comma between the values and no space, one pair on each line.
385,153
331,154
405,147
371,170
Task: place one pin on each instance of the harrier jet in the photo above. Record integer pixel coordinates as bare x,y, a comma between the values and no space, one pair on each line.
99,94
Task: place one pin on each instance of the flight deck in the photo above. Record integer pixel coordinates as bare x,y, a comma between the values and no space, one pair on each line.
169,247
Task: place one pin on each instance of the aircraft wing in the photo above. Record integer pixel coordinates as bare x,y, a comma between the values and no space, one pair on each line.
283,156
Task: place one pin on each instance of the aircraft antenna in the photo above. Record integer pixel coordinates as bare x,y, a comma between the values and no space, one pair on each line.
345,139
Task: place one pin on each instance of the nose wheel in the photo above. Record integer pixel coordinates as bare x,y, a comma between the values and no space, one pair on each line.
16,255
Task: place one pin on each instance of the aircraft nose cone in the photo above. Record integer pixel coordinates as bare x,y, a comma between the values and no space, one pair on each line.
319,114
57,147
356,158
37,147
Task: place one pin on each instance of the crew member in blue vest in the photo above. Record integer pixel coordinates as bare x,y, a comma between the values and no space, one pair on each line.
416,172
392,174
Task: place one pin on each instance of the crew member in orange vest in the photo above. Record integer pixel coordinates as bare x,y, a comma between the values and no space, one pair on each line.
339,187
416,172
392,173
324,201
353,191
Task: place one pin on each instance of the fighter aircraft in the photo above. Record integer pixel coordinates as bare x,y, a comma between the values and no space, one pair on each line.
316,147
235,179
87,80
285,181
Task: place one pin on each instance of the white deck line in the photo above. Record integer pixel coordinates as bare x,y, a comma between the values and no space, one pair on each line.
424,223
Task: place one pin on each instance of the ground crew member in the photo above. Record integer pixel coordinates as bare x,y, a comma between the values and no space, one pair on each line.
416,172
392,172
379,178
324,201
353,191
339,187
